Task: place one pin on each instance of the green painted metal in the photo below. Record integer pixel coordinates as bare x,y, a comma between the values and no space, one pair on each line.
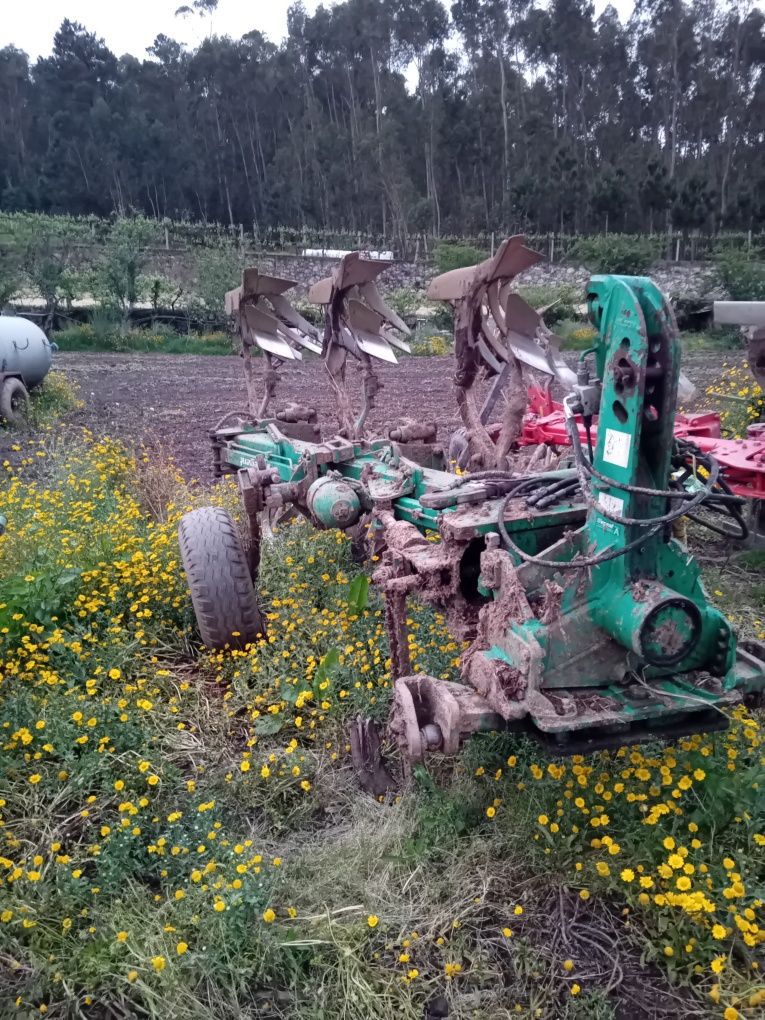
636,333
334,503
650,600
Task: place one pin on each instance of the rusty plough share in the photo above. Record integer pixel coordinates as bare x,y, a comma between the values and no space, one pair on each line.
357,323
587,620
497,335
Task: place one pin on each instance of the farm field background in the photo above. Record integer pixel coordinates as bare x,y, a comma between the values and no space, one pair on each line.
182,834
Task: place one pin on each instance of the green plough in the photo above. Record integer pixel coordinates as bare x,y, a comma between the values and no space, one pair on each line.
586,616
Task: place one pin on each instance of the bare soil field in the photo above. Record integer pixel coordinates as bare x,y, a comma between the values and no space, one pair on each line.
170,401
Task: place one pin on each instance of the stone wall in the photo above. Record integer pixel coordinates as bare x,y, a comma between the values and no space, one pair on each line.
677,279
308,270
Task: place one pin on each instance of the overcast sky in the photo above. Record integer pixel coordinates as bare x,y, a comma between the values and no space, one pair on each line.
129,27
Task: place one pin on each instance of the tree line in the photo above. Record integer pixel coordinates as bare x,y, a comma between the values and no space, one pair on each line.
392,117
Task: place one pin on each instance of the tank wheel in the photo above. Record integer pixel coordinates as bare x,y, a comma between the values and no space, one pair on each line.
216,569
14,401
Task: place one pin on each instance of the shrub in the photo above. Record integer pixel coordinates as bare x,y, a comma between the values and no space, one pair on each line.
560,301
405,301
427,343
456,256
742,277
217,270
577,336
312,313
118,277
616,253
10,275
54,398
161,292
103,333
741,399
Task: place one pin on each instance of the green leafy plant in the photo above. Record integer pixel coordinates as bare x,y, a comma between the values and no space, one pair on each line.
405,301
616,253
742,276
118,275
10,274
217,270
46,261
53,399
560,301
428,342
104,333
449,255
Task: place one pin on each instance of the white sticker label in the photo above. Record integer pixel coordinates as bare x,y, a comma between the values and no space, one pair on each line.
617,448
611,504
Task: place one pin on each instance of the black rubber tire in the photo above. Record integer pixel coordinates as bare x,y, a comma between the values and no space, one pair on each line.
221,588
14,401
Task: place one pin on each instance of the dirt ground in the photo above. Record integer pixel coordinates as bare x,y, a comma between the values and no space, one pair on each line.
170,401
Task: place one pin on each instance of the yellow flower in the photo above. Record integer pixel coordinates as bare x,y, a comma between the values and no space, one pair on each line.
35,779
373,920
181,948
568,965
132,975
627,875
158,963
122,936
269,916
507,933
731,1013
490,812
450,969
219,905
575,988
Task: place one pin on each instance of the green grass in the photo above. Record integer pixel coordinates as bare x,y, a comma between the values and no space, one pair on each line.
716,338
52,400
577,335
110,338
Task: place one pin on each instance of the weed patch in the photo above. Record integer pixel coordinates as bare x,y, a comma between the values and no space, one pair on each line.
182,834
108,336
